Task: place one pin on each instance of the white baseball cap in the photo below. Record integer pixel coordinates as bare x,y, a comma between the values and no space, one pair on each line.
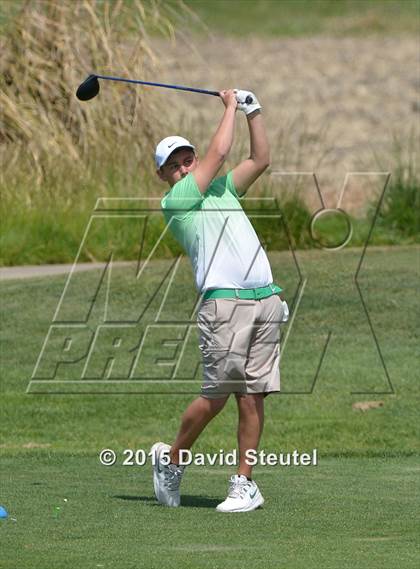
168,145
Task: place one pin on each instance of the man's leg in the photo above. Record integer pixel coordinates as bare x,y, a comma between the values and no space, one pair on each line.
167,477
197,415
244,495
250,427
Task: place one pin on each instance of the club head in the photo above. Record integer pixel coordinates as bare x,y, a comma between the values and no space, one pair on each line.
88,89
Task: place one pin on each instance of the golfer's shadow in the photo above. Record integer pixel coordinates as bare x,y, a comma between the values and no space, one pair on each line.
186,501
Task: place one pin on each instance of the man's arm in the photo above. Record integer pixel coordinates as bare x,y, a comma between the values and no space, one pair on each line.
248,171
220,144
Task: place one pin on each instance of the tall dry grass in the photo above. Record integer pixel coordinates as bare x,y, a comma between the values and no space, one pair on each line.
53,147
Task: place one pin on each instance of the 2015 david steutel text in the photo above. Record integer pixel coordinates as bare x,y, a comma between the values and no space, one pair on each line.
140,457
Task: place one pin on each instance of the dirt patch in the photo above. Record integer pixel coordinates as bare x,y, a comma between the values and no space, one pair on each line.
331,105
36,445
367,405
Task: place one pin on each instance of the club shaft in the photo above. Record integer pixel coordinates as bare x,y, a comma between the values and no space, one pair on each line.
179,87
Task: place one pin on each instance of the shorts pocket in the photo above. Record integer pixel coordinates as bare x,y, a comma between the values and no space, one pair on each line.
208,310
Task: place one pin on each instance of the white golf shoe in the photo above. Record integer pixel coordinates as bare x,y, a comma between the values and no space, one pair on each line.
166,477
243,496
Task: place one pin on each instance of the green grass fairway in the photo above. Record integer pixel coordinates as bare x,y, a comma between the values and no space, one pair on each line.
296,18
355,509
344,513
283,18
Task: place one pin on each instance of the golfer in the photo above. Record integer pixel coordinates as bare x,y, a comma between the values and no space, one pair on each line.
241,308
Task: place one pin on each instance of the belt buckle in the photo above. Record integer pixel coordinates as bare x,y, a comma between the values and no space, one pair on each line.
236,293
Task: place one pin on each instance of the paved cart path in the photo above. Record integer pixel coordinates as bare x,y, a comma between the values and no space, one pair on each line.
31,271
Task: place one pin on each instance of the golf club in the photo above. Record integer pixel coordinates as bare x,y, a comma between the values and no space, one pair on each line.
90,87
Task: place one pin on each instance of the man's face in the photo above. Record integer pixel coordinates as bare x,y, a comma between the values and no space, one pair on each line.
178,165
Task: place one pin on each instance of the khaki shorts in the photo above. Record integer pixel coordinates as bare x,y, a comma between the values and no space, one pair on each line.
240,345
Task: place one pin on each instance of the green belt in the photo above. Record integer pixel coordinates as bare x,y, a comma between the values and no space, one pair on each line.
243,293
